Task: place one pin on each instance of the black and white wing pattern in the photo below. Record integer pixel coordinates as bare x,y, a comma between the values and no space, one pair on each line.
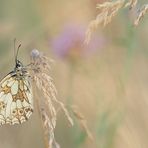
16,103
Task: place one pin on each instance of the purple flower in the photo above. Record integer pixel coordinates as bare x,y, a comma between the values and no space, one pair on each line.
70,43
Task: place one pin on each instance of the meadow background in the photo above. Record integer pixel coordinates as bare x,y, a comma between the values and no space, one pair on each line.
107,80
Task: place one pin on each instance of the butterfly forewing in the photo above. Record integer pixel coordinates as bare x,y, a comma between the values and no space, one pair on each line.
16,103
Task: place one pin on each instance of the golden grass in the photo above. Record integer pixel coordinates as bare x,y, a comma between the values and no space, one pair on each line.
83,123
41,76
141,14
107,11
46,106
131,3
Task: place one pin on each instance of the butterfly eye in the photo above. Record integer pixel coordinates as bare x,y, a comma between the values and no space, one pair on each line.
19,64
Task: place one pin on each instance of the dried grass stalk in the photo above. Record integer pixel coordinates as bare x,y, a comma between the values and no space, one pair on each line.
41,76
49,130
107,10
82,121
131,3
141,14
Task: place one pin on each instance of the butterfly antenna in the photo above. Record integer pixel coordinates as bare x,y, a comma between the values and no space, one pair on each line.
17,53
14,48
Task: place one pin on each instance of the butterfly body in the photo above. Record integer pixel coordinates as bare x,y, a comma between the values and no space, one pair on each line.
16,104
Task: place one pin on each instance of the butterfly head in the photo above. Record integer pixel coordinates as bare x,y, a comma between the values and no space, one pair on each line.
19,64
19,67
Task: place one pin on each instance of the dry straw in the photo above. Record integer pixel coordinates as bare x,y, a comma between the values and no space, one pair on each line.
83,123
107,11
46,105
141,14
131,3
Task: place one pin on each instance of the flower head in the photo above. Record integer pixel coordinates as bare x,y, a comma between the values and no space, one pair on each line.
70,43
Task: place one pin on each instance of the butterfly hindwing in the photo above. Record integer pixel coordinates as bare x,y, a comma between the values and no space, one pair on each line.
16,103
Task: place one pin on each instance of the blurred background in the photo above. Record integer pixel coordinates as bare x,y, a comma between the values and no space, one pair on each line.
106,79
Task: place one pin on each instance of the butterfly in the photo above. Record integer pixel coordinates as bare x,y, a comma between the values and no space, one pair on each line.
16,100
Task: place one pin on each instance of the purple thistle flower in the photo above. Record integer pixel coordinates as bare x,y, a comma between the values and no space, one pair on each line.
70,43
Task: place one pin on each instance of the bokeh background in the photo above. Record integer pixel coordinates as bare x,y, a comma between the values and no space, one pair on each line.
107,79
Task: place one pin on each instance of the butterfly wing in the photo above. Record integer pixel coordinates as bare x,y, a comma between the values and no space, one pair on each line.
16,103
